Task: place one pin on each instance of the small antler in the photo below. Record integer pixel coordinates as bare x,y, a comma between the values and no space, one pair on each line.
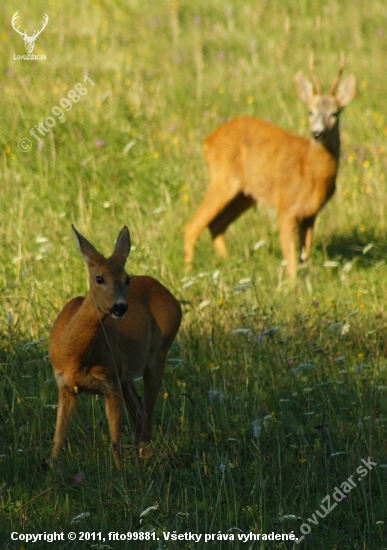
15,16
339,73
316,82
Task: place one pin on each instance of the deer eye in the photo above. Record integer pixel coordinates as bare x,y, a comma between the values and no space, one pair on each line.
99,280
127,281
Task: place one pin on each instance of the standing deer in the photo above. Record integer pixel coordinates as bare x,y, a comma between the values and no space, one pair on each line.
250,160
121,330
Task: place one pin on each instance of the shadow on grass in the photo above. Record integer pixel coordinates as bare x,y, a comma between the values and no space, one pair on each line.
366,247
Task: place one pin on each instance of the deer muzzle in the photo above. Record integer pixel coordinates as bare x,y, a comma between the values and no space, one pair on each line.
118,310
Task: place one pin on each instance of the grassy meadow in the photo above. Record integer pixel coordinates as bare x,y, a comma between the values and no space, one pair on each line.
272,395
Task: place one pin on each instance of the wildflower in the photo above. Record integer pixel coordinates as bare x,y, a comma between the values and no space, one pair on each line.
256,429
258,244
81,516
241,331
100,143
267,420
289,517
148,510
304,367
343,328
211,396
242,287
266,333
78,479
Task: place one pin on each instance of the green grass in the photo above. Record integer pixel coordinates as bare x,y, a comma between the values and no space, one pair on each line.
250,429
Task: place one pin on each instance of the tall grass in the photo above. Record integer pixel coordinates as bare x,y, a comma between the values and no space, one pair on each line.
272,395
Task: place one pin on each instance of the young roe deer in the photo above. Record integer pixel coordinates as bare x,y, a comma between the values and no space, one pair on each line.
100,343
250,160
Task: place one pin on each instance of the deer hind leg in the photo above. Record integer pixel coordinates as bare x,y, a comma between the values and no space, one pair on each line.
288,235
66,405
231,212
113,406
306,232
212,206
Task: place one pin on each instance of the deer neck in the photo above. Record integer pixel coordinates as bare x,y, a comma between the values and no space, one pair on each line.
83,327
332,143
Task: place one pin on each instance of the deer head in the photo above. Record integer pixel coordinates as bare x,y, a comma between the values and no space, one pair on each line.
29,41
109,282
325,109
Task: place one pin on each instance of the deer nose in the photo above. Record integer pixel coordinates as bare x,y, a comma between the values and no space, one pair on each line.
318,135
118,310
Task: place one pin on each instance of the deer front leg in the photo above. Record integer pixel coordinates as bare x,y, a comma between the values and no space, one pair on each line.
306,232
288,235
113,406
66,405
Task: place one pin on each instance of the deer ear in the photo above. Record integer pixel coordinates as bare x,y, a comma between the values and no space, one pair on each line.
304,87
90,254
122,247
346,91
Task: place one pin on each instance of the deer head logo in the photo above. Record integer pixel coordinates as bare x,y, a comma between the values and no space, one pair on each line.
29,40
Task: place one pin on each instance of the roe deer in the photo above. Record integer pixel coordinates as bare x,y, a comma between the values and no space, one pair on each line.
251,160
100,343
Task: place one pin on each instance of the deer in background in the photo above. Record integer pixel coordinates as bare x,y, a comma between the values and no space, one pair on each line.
100,343
250,160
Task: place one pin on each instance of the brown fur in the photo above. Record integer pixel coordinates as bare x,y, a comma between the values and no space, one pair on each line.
250,160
